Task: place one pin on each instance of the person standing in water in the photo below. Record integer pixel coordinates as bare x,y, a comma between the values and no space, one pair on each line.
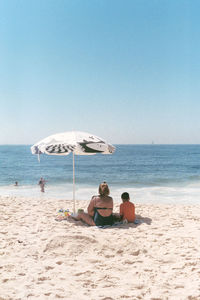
42,184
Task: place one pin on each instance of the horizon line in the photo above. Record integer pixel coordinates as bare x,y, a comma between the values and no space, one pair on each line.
135,144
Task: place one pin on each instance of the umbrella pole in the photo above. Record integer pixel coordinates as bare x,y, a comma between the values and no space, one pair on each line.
74,208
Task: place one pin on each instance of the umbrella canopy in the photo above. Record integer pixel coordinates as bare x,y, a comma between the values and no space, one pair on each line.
77,142
80,143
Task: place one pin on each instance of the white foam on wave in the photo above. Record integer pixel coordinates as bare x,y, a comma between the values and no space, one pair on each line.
167,195
164,195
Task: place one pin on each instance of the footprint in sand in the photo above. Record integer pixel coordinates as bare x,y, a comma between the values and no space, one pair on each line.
59,296
93,260
109,255
135,253
49,268
120,251
129,262
43,278
84,273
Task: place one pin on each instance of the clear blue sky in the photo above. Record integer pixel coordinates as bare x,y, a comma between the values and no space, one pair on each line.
128,71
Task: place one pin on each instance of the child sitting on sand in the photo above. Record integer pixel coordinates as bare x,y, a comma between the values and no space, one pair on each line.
127,208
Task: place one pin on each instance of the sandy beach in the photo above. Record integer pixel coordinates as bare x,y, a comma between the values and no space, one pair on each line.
41,258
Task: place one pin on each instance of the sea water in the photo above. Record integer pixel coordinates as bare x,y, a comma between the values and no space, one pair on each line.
150,173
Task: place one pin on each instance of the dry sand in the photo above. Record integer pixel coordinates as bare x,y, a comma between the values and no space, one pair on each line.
41,258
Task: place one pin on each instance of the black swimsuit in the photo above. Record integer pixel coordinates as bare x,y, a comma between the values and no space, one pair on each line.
99,220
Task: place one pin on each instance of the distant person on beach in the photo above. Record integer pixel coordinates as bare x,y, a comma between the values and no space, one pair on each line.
42,184
100,208
16,183
127,208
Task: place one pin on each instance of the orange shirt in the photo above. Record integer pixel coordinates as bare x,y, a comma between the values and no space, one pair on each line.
127,211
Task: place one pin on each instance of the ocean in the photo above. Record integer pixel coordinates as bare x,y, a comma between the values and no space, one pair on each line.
168,174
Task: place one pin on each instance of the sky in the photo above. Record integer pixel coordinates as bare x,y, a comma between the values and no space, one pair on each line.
125,70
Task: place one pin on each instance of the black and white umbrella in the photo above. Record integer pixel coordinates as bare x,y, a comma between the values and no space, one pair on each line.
77,142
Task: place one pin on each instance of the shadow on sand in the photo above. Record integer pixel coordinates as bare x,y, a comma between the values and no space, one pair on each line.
139,220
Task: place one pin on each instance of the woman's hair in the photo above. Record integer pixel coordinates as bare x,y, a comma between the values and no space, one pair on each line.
104,189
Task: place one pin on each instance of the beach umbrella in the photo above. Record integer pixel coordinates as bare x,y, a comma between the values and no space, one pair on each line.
77,142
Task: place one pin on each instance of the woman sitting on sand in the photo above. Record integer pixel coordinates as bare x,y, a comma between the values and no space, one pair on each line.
100,208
